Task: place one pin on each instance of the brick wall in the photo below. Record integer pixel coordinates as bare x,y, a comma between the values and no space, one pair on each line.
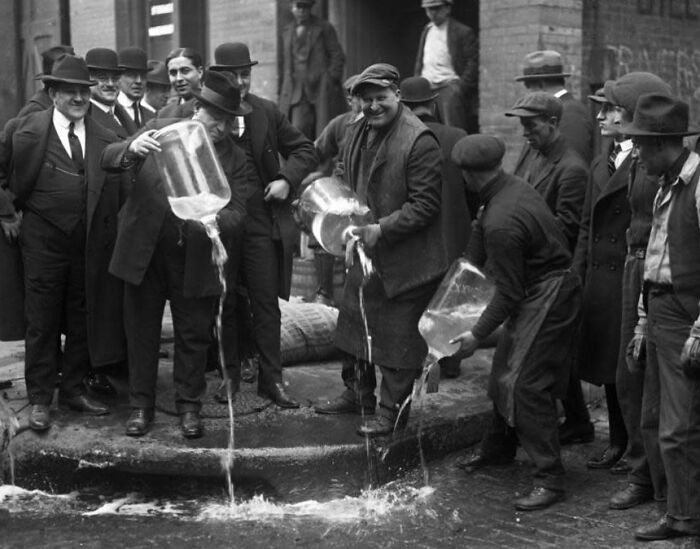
92,25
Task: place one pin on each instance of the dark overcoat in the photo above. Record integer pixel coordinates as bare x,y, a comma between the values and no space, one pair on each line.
319,79
177,110
23,146
123,130
40,101
599,260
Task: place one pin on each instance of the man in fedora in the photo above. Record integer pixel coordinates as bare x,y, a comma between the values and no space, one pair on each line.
50,166
270,232
161,257
544,71
41,100
157,87
448,56
311,92
670,299
132,83
104,109
417,95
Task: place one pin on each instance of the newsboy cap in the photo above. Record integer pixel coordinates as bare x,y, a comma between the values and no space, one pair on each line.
379,74
543,64
598,96
626,90
478,152
133,58
659,115
102,59
434,3
537,104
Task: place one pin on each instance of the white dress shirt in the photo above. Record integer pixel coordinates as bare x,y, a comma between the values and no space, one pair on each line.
437,61
61,123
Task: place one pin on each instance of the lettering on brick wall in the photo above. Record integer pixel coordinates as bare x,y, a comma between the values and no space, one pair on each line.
676,9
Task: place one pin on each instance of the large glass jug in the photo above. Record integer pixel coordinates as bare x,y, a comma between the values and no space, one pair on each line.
457,304
193,178
328,207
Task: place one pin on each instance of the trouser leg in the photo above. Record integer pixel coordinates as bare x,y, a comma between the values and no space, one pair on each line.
618,433
324,264
499,438
453,104
359,378
396,387
303,117
575,409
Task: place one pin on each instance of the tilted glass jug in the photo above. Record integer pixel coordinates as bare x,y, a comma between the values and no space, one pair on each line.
193,178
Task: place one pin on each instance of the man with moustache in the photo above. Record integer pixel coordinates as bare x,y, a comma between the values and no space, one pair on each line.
64,215
132,84
393,162
104,109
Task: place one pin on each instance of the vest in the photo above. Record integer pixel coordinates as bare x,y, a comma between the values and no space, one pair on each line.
59,192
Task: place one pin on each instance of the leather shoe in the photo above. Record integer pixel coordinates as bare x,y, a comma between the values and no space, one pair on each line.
139,422
86,404
191,424
621,467
610,456
482,459
656,531
99,383
571,433
539,498
631,496
342,405
39,417
277,394
377,426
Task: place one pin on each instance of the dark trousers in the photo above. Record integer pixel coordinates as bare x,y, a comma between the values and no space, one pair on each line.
192,322
616,424
303,117
454,106
575,409
630,389
54,283
672,402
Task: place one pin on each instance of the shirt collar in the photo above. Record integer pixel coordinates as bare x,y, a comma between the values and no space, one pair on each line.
626,145
124,100
61,121
690,166
560,93
674,172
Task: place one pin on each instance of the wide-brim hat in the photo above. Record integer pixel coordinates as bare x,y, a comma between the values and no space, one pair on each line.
103,59
219,92
157,73
70,69
658,115
416,89
133,58
543,65
231,56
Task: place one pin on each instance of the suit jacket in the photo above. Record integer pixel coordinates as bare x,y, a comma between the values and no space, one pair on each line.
560,175
147,208
22,152
40,101
127,127
318,80
177,110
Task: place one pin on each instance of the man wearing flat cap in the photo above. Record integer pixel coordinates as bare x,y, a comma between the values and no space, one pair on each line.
448,57
670,301
160,256
132,83
311,92
41,100
62,210
393,162
523,249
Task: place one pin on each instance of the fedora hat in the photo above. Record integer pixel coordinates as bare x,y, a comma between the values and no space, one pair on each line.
416,89
219,92
231,55
659,115
133,58
50,56
157,73
103,59
543,64
69,69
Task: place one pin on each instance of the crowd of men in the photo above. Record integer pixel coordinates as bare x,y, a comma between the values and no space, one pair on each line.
595,258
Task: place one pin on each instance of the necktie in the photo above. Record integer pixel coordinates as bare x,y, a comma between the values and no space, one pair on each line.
76,150
137,114
612,157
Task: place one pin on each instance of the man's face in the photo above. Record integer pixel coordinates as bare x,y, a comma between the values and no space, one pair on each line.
609,118
241,77
539,131
380,105
438,14
133,84
218,123
157,95
650,154
301,12
107,87
71,100
184,76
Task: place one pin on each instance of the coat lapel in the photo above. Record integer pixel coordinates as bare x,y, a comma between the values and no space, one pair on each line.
96,139
256,123
618,180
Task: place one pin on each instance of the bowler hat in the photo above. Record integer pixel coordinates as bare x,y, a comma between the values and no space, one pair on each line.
133,58
49,57
219,92
416,89
537,104
230,56
543,64
434,3
102,59
379,74
626,90
478,152
659,115
69,69
157,73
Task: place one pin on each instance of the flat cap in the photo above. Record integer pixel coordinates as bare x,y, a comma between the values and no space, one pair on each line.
478,152
537,104
626,90
434,3
379,74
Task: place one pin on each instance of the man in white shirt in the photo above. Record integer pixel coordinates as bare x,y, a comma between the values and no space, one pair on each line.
132,83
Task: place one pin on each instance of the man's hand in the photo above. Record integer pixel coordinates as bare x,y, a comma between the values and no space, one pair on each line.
11,228
636,354
144,144
277,190
690,355
468,345
368,234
